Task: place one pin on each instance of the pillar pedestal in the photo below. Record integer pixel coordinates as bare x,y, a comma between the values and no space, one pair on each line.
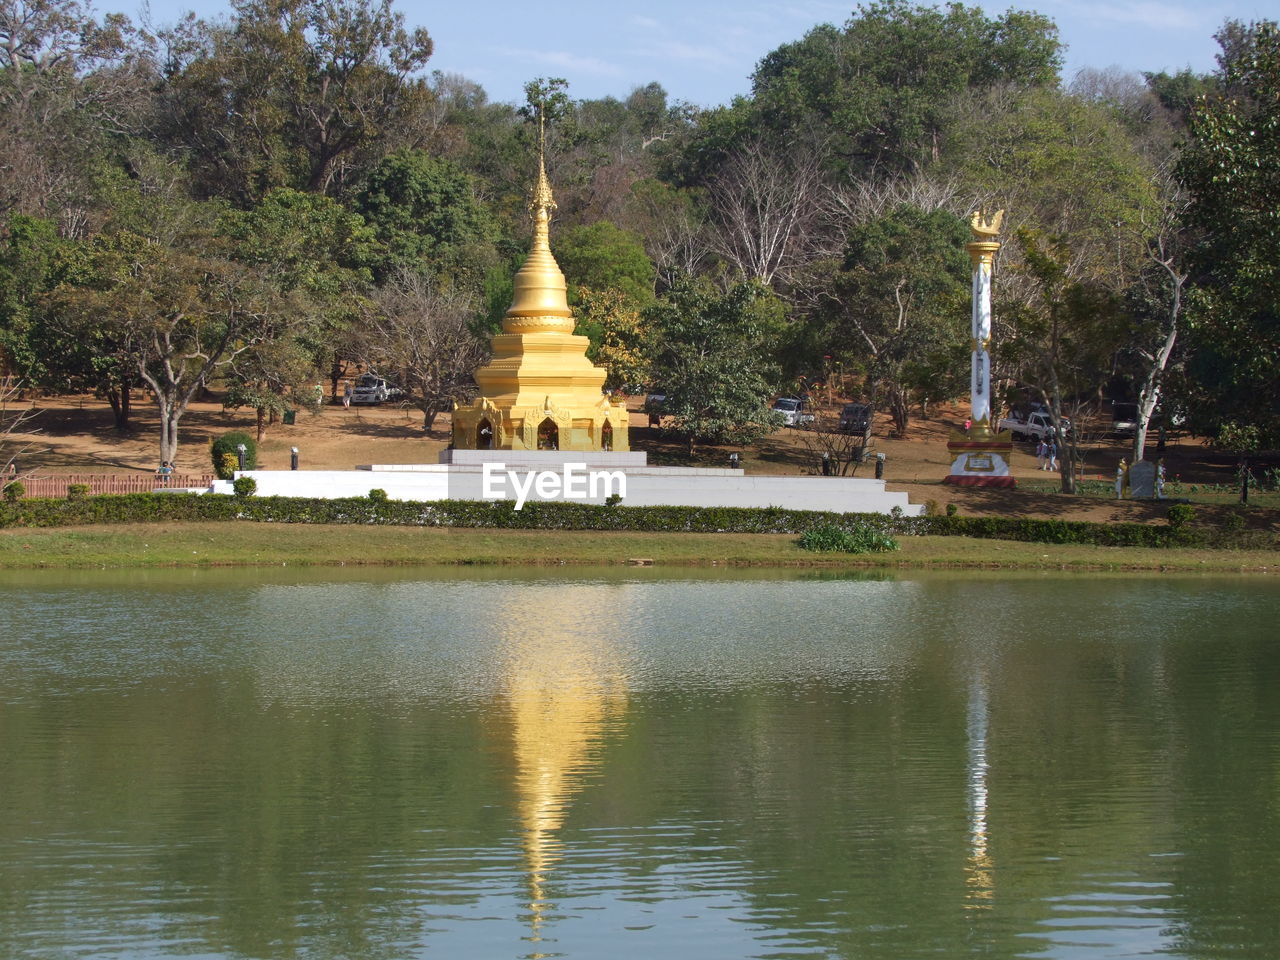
980,461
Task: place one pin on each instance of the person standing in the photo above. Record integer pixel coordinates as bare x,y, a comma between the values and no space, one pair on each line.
1042,454
1051,454
346,396
1120,472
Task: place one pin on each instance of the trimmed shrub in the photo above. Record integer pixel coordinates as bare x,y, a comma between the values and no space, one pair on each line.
952,509
245,486
14,491
77,491
1181,516
226,446
378,495
859,539
1233,522
613,499
142,508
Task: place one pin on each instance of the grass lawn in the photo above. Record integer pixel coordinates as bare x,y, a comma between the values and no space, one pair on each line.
248,544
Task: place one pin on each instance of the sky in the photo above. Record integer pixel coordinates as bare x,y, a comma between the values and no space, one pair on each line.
704,51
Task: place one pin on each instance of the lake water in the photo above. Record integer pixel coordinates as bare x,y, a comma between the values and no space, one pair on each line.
402,764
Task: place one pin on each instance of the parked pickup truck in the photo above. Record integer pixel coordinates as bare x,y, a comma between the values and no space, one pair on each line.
1037,424
794,412
371,388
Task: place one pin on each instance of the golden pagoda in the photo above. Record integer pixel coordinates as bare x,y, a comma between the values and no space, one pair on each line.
540,392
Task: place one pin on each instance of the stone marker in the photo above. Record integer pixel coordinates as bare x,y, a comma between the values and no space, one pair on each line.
1142,480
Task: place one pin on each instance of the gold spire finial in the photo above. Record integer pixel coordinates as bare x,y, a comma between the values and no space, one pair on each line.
984,227
543,203
540,304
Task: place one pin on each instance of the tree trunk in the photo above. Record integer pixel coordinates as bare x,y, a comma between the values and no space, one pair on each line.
429,414
335,374
1149,396
262,427
169,416
900,410
118,397
1067,464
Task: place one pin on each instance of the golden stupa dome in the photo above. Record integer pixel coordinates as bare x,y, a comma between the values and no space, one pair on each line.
540,303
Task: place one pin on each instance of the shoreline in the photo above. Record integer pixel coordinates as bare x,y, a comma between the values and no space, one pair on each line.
247,544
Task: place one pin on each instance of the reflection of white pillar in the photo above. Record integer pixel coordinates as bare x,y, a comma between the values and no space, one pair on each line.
979,873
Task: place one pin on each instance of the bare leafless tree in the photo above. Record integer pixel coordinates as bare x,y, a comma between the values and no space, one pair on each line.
861,199
672,227
766,207
15,432
843,450
423,332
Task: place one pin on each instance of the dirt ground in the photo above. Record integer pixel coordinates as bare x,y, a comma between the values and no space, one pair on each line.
76,435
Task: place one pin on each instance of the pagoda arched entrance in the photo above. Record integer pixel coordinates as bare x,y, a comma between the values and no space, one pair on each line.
484,435
548,435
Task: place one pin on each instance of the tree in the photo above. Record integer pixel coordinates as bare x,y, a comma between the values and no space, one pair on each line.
1231,169
896,306
711,361
428,215
602,257
1058,165
301,93
1158,313
66,82
275,377
52,350
178,316
764,206
881,87
619,339
423,331
672,226
15,436
310,247
1062,341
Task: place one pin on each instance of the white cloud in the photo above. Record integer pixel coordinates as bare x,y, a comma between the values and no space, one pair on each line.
563,60
646,23
688,52
1148,13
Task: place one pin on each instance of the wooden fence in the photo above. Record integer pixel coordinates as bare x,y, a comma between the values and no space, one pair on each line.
55,485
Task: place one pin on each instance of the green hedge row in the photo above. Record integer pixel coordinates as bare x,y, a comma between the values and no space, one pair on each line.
147,507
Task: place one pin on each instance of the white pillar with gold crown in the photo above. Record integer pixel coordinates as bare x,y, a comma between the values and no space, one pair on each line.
540,392
981,456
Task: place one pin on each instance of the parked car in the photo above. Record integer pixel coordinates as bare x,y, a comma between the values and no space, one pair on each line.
371,388
1038,424
855,417
1124,419
794,411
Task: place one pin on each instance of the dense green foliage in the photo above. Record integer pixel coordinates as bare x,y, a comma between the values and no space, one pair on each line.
228,445
1232,170
256,203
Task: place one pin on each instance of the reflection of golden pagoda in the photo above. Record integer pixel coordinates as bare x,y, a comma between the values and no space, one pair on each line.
566,697
540,392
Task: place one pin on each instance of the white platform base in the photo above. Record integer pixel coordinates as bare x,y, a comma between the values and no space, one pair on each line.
645,486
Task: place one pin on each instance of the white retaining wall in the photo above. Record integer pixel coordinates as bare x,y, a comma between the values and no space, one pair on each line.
646,486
